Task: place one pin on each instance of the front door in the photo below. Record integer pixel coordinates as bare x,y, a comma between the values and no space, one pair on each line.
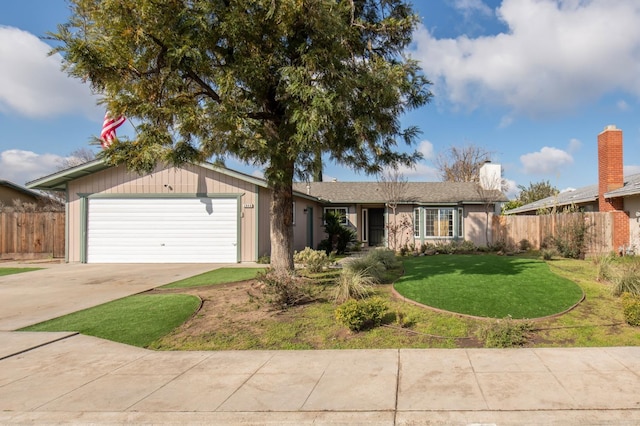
310,227
376,227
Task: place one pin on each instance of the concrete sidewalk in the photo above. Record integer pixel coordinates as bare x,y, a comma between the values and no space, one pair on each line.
69,378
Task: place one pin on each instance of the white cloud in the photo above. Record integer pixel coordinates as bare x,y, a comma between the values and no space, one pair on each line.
426,149
557,55
420,172
20,166
546,161
510,188
505,121
470,6
622,105
574,145
32,83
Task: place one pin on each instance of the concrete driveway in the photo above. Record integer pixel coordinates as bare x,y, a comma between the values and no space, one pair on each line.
58,289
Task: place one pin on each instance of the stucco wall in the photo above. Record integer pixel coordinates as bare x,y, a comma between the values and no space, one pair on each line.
188,181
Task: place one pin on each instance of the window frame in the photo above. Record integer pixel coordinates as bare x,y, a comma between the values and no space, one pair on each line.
451,216
345,218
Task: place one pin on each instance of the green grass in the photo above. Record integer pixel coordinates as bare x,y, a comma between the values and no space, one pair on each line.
487,285
217,276
10,271
136,320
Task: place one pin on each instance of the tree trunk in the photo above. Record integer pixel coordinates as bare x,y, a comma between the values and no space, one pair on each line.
281,220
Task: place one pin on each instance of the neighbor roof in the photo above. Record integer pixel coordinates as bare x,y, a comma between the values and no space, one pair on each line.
631,187
416,192
20,188
582,195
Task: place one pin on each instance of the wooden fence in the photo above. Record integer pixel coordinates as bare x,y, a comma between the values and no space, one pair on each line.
32,235
535,229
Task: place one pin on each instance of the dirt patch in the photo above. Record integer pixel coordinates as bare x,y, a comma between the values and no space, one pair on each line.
221,304
234,316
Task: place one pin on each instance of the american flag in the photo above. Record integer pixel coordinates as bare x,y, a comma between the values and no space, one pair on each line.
109,127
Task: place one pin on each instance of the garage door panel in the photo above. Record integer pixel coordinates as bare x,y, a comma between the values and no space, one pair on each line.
162,230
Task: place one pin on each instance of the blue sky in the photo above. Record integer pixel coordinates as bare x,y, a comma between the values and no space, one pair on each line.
532,81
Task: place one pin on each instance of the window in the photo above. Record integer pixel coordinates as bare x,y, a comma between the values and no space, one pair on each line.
460,223
341,211
416,223
438,223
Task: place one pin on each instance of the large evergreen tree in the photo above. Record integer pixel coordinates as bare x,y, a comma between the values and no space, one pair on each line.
275,83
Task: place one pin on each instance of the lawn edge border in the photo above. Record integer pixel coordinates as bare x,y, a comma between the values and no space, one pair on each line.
397,295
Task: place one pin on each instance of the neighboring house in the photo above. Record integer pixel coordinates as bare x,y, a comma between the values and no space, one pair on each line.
11,192
613,193
206,213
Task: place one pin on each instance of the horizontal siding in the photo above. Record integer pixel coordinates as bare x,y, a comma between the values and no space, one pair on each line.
186,181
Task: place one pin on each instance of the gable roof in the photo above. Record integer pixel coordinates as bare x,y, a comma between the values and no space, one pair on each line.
416,192
332,192
57,181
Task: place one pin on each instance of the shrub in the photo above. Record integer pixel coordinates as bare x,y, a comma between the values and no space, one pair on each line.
604,267
359,315
384,256
547,254
314,260
264,259
339,236
403,320
466,246
627,280
352,285
631,308
524,245
282,289
505,333
499,245
571,238
367,265
325,245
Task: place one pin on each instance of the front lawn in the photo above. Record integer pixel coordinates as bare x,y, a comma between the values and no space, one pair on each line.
136,320
217,276
11,271
233,316
487,285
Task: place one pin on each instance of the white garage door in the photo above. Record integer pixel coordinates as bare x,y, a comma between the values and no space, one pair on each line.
162,230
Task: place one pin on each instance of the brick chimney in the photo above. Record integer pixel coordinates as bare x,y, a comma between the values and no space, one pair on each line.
610,177
610,174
